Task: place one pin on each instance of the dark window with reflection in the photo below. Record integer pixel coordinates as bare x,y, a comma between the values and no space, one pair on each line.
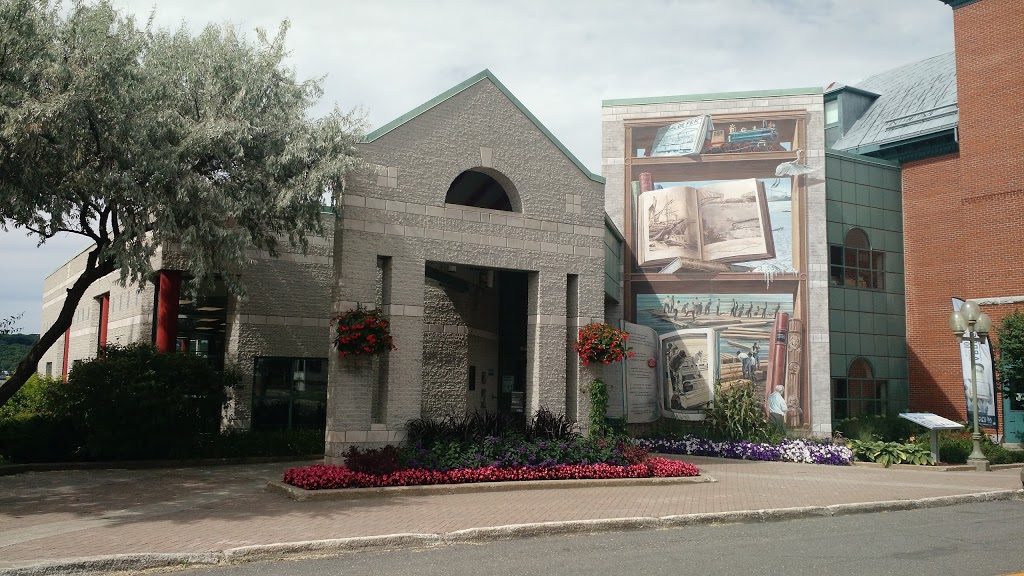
855,264
289,393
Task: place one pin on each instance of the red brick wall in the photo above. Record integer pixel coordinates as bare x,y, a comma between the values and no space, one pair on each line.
971,203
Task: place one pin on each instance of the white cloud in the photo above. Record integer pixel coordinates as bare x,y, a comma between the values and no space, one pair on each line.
559,58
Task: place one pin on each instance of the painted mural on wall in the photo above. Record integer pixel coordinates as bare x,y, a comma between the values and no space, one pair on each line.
719,201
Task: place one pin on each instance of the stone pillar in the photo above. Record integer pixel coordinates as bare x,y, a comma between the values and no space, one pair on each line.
546,342
591,309
167,311
405,370
351,379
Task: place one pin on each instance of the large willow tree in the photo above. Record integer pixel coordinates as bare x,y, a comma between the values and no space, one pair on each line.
137,138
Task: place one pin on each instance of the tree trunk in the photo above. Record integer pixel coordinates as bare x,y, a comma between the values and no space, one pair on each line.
28,366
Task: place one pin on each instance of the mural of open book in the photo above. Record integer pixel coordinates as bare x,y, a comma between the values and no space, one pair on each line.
722,222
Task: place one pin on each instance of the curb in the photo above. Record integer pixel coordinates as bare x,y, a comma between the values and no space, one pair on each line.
12,469
937,468
133,562
301,494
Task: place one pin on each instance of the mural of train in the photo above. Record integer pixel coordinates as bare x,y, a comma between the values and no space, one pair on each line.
744,139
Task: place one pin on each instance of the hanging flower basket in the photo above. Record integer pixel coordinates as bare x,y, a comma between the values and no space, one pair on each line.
362,332
599,342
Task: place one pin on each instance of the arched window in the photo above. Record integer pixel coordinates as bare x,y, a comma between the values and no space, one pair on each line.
855,264
860,393
483,188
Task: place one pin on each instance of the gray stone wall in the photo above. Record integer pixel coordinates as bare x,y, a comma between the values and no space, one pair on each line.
285,313
398,210
129,316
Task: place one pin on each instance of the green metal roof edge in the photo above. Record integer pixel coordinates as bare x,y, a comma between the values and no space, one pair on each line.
460,87
901,142
954,4
712,96
862,158
609,225
854,89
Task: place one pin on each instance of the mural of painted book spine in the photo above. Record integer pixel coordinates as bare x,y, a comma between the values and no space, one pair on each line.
722,222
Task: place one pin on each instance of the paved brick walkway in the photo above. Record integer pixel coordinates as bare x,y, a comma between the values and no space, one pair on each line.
58,515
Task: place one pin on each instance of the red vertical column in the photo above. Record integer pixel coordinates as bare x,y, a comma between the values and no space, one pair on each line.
67,347
104,318
167,311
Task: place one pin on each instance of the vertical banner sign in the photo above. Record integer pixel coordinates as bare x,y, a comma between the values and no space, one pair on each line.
982,366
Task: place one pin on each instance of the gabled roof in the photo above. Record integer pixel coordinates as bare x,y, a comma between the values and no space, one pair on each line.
466,84
914,101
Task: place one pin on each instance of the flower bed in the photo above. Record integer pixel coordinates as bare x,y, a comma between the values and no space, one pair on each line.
789,450
323,477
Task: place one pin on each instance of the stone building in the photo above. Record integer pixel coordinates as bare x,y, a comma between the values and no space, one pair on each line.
483,239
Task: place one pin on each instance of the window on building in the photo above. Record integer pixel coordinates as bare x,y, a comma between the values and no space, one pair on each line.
831,112
289,393
860,393
481,190
49,369
855,264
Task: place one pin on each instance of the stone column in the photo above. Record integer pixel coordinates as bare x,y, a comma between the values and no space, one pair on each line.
405,365
350,380
546,342
591,309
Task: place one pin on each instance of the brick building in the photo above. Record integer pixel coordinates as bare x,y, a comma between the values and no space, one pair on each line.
950,123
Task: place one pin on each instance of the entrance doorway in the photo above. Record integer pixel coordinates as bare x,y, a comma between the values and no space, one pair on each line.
512,310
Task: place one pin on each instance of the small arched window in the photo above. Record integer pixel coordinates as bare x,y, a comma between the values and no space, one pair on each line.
855,264
860,393
481,189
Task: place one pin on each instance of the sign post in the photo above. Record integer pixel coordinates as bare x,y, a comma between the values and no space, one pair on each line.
933,423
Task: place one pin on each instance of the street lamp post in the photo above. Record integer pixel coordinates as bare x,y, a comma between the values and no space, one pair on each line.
973,324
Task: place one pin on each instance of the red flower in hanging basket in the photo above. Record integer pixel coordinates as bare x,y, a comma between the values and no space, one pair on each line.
599,342
362,332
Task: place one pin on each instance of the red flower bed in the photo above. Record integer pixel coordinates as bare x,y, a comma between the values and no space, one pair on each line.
323,477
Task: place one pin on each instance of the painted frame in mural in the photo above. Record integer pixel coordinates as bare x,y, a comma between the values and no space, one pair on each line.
717,240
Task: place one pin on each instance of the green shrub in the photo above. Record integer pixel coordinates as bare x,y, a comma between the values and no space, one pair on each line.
598,409
737,414
375,461
134,402
477,426
35,397
889,453
955,446
28,438
884,428
254,444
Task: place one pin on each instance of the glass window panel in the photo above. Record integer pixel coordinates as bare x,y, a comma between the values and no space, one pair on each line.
835,255
863,279
851,277
832,112
879,281
863,259
878,260
837,275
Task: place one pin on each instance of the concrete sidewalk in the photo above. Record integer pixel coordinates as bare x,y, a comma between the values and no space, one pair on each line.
53,516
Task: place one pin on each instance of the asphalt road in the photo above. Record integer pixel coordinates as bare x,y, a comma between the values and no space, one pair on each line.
973,539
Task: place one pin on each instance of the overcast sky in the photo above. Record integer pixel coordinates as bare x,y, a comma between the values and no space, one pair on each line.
560,58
